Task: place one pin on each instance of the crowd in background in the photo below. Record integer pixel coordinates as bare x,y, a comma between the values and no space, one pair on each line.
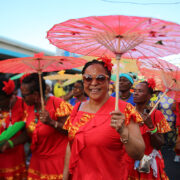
77,134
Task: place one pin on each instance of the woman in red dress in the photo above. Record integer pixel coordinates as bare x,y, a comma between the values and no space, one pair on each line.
12,161
100,139
44,129
152,129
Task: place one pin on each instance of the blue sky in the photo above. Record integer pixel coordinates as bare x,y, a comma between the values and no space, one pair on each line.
28,21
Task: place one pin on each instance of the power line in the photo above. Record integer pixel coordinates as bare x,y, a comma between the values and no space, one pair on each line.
137,3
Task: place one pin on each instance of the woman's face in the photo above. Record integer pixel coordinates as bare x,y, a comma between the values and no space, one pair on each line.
96,82
29,97
124,84
141,94
78,89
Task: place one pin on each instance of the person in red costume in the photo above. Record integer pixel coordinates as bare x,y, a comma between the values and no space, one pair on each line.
12,161
44,130
177,146
100,139
152,130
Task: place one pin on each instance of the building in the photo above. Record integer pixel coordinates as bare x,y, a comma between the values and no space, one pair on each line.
14,49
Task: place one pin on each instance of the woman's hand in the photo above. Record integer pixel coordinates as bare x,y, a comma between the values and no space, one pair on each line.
45,118
130,135
117,121
147,119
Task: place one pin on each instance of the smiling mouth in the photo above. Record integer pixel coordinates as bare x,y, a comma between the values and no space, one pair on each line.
94,90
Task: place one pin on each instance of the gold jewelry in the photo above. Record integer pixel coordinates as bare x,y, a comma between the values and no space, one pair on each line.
125,140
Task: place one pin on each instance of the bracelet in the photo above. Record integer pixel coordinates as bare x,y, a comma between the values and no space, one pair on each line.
124,140
153,131
56,124
11,143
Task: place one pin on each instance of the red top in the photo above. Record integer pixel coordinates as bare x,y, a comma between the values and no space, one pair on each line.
96,150
48,145
162,125
12,161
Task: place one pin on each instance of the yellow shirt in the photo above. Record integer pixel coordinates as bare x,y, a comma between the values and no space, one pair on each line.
58,90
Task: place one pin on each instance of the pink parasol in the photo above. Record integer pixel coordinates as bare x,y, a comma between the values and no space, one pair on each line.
40,63
116,36
167,74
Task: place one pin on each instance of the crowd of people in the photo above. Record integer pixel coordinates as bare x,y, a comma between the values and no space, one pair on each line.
79,135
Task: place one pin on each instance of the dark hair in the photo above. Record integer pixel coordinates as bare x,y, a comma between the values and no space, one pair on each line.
94,61
150,90
3,78
80,82
33,81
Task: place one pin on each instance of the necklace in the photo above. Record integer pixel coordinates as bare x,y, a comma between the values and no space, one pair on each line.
36,119
123,98
36,116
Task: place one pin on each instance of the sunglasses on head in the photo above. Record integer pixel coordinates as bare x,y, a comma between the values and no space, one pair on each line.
101,78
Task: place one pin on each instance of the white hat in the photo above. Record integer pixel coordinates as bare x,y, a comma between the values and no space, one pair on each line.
49,82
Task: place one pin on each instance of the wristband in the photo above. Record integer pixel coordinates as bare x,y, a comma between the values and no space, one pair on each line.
11,143
153,131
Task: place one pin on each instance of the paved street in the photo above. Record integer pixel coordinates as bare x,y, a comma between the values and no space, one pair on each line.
172,168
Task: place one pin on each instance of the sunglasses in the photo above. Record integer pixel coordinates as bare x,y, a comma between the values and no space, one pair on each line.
99,78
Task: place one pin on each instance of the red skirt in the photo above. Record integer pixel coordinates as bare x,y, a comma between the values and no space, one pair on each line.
12,164
46,167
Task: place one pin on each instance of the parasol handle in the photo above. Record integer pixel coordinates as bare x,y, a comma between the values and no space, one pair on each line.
165,92
41,91
117,82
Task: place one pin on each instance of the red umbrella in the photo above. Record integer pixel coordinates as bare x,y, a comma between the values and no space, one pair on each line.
40,63
168,75
116,36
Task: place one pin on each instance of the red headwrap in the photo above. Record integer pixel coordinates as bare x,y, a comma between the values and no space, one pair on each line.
8,87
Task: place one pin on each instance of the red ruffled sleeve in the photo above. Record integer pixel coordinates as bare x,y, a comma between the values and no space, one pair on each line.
64,109
132,114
